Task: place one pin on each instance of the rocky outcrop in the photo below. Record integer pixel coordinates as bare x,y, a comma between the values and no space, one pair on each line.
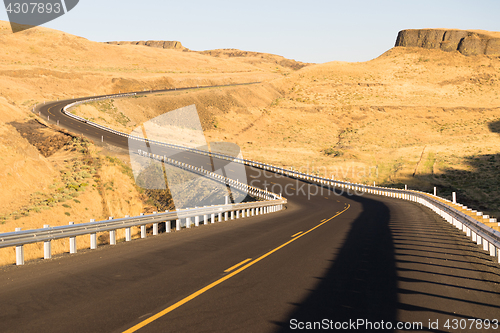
161,44
466,42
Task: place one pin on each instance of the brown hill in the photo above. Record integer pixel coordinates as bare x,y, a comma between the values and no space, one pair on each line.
467,42
256,58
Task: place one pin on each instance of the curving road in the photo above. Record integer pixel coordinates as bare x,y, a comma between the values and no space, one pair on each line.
329,257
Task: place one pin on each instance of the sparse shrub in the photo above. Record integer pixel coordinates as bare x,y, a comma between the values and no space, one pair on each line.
332,152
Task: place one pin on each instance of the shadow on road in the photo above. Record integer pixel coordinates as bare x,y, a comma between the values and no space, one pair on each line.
401,262
362,280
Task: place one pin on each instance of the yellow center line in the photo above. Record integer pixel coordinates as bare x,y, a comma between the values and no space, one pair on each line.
228,276
297,234
237,265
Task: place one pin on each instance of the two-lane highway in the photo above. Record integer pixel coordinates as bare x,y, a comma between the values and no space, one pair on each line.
328,259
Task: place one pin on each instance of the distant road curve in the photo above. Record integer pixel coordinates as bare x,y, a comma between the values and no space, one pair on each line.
52,112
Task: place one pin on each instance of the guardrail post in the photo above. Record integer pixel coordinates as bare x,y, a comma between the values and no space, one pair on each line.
435,191
93,241
143,231
219,218
47,253
493,250
128,233
93,238
212,218
72,242
197,221
178,224
188,222
155,226
112,235
19,253
237,214
205,218
454,196
226,216
486,245
232,215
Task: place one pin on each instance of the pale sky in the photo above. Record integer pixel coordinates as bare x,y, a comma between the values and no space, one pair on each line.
310,31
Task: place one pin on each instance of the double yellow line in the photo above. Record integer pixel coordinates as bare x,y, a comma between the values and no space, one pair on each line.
226,277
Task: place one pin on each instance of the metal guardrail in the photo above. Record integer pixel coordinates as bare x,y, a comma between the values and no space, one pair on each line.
22,237
272,203
479,233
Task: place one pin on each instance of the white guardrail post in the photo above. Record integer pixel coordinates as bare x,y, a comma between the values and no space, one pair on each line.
72,242
19,252
93,238
47,251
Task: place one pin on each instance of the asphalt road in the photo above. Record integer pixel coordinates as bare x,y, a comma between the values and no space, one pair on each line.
328,256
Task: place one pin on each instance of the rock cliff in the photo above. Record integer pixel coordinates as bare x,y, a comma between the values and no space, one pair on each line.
466,42
154,43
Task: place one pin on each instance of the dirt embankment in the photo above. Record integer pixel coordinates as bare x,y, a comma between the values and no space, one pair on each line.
43,138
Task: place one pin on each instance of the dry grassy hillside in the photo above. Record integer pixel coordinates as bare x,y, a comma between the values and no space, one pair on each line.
411,116
421,117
